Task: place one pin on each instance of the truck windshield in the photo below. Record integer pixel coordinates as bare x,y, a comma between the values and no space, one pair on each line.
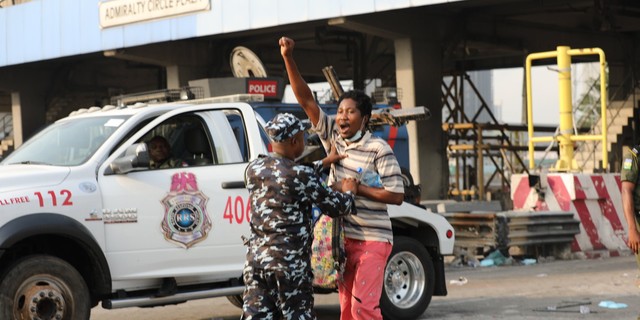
66,143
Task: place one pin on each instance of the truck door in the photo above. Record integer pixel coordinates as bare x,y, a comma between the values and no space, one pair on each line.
187,219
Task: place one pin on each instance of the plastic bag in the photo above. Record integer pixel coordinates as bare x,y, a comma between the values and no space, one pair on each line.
369,178
328,256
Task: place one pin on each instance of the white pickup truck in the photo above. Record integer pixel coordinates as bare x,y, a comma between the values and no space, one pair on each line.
83,219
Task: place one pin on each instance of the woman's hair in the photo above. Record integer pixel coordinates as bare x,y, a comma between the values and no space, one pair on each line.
363,102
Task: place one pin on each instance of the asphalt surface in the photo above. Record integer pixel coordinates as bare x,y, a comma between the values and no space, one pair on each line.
531,292
504,292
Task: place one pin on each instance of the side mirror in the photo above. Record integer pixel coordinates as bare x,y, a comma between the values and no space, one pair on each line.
135,157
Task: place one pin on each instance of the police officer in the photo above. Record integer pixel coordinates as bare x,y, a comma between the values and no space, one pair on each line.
277,273
160,154
631,197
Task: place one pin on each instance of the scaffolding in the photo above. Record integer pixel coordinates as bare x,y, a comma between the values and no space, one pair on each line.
470,143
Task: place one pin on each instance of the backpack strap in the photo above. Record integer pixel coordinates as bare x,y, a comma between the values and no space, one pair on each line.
336,246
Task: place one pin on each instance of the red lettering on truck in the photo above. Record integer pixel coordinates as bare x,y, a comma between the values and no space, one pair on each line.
14,200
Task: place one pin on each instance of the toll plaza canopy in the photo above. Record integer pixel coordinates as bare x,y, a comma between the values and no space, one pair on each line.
59,55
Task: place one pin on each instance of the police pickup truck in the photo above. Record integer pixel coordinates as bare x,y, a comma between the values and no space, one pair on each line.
84,220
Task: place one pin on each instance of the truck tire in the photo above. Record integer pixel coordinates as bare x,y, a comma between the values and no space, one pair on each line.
236,300
408,280
43,287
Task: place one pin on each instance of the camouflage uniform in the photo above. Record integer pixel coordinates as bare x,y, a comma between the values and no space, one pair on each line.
277,272
629,173
167,163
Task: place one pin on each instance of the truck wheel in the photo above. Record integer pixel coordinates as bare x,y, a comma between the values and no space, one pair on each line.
408,280
43,287
236,300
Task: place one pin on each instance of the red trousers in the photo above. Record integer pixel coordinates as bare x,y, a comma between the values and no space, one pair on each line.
363,279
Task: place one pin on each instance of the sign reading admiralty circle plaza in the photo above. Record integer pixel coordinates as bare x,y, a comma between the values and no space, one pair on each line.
119,12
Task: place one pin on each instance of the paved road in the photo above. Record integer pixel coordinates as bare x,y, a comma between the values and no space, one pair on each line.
505,292
515,292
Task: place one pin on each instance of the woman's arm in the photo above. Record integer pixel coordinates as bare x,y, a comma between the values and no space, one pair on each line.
630,216
376,194
380,195
300,88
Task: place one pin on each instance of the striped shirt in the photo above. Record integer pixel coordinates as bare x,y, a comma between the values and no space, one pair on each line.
372,222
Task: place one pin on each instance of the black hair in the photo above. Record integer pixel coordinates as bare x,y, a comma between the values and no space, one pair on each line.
160,139
363,101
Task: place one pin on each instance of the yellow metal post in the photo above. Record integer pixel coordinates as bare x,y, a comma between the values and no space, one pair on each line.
565,161
527,71
603,104
532,140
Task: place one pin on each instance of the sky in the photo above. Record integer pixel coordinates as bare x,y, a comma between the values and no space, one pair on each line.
508,91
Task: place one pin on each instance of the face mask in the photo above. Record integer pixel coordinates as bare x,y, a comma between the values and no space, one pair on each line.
355,137
358,134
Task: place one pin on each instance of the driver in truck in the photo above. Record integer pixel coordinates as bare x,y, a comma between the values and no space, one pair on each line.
160,154
368,236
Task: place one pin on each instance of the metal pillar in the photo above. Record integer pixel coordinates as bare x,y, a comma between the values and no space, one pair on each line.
566,138
565,162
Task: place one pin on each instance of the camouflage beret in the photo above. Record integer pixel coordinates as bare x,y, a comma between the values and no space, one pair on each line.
284,126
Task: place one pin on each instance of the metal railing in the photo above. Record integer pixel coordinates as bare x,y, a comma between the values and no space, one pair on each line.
565,138
595,129
6,125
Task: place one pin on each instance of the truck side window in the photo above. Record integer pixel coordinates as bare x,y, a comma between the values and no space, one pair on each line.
198,146
204,138
225,131
188,142
265,137
239,133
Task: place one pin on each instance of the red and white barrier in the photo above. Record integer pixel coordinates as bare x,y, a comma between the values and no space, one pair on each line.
594,199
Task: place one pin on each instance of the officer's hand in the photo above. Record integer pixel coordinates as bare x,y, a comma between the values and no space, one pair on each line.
332,157
286,46
350,184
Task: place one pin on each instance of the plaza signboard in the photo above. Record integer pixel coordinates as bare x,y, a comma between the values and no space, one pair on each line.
121,12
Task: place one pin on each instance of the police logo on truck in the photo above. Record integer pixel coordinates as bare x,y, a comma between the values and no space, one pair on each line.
186,221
